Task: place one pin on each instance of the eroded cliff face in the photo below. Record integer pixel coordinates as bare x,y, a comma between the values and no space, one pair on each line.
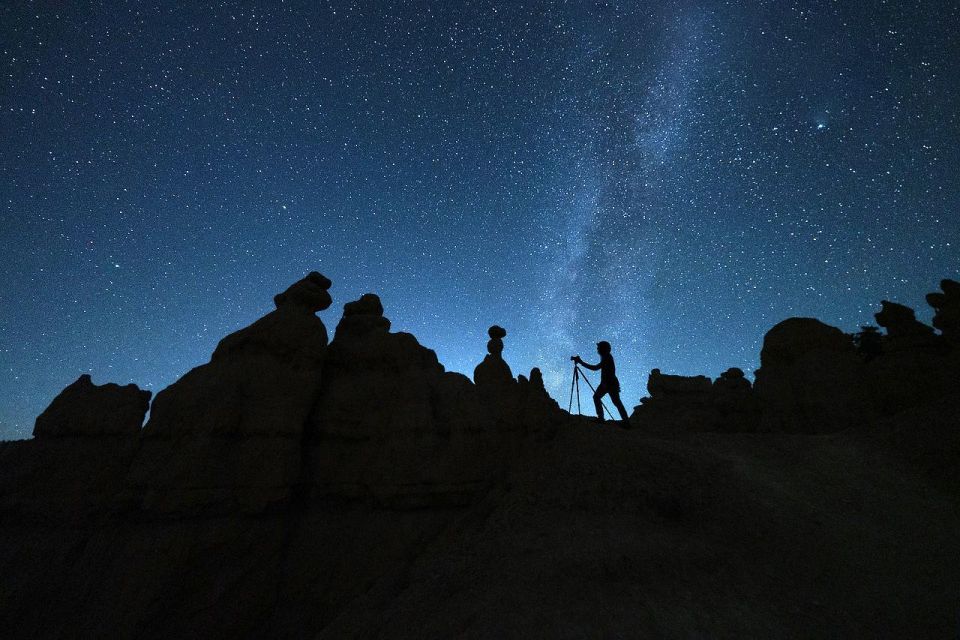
301,487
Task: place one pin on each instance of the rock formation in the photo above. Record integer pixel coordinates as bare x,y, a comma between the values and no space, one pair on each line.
390,424
74,467
362,317
693,403
494,372
86,409
734,402
810,379
227,435
914,366
293,488
947,306
900,321
732,382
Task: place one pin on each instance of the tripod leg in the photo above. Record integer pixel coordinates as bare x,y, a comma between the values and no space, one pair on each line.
609,413
604,404
579,411
572,381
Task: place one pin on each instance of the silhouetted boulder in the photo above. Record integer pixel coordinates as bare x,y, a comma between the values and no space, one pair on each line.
735,402
497,334
86,409
900,320
811,379
947,306
536,379
676,404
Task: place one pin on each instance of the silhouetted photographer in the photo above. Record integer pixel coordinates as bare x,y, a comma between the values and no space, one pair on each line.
609,384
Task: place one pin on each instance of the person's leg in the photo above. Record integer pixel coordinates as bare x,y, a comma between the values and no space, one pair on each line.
597,402
615,397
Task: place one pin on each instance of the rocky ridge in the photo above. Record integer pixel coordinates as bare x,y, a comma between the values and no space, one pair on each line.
301,487
814,378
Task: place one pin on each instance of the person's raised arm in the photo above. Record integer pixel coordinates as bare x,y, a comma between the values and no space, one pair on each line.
592,367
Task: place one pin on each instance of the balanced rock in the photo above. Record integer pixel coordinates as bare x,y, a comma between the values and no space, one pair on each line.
86,409
494,373
309,294
497,334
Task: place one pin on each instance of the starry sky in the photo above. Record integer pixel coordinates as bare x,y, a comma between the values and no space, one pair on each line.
674,177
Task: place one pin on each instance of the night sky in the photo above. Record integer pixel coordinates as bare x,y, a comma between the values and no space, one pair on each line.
674,177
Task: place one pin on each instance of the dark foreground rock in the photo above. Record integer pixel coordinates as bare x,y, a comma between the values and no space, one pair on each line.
598,533
292,488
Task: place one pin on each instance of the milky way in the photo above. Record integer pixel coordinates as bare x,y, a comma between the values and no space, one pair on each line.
674,177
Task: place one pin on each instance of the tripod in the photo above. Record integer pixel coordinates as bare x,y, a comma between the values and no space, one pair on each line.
575,384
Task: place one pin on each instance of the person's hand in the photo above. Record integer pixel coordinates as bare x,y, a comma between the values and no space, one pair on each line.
576,359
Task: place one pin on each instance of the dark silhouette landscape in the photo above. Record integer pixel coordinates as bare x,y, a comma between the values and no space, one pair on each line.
300,487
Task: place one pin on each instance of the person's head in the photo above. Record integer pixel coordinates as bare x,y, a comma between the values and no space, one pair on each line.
603,347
